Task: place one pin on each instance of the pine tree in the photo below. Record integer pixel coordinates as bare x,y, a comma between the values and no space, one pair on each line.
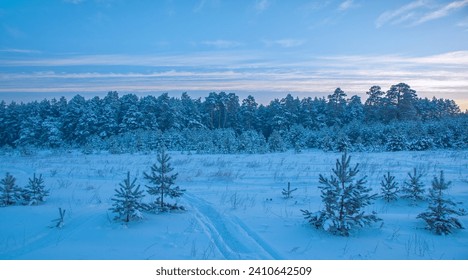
439,215
396,143
287,192
344,199
127,199
389,188
162,180
413,189
35,191
276,142
9,192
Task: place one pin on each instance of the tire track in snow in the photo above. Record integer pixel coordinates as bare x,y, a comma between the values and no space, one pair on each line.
233,239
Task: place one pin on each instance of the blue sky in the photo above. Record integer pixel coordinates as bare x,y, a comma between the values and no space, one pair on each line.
266,48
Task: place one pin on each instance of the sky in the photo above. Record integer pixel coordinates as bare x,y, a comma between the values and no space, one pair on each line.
266,48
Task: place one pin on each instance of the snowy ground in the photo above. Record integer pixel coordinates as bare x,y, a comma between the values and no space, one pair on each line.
235,209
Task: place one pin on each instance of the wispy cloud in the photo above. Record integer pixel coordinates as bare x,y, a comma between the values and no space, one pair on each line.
449,59
463,24
199,6
74,1
396,16
443,11
443,75
261,5
222,44
13,31
284,43
246,59
22,51
346,5
419,12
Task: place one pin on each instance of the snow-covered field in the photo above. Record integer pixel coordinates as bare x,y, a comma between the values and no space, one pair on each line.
235,209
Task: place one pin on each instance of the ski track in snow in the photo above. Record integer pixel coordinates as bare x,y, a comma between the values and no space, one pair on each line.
233,239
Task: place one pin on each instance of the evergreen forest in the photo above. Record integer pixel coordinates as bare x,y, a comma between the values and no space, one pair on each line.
392,120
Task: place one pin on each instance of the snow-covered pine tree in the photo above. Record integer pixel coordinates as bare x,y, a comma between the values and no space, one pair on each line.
162,183
345,199
413,188
276,142
396,143
342,143
439,216
287,192
35,192
389,188
10,193
127,201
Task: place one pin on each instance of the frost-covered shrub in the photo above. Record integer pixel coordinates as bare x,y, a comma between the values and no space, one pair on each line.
342,144
396,143
94,144
173,140
225,141
199,140
327,144
252,142
421,144
313,139
297,137
276,142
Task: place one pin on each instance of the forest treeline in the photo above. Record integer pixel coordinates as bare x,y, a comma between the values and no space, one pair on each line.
396,119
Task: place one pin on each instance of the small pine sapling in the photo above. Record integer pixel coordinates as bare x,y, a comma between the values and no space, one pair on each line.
345,199
10,193
440,213
35,192
389,188
60,221
287,192
127,202
413,189
162,184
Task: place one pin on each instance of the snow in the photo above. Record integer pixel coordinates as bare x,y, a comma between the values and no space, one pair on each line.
235,208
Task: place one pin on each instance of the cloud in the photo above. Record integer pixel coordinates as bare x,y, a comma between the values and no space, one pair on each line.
22,51
284,43
345,5
211,59
449,59
14,32
199,7
245,59
418,12
458,58
442,75
261,5
443,11
222,44
74,1
463,24
395,16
